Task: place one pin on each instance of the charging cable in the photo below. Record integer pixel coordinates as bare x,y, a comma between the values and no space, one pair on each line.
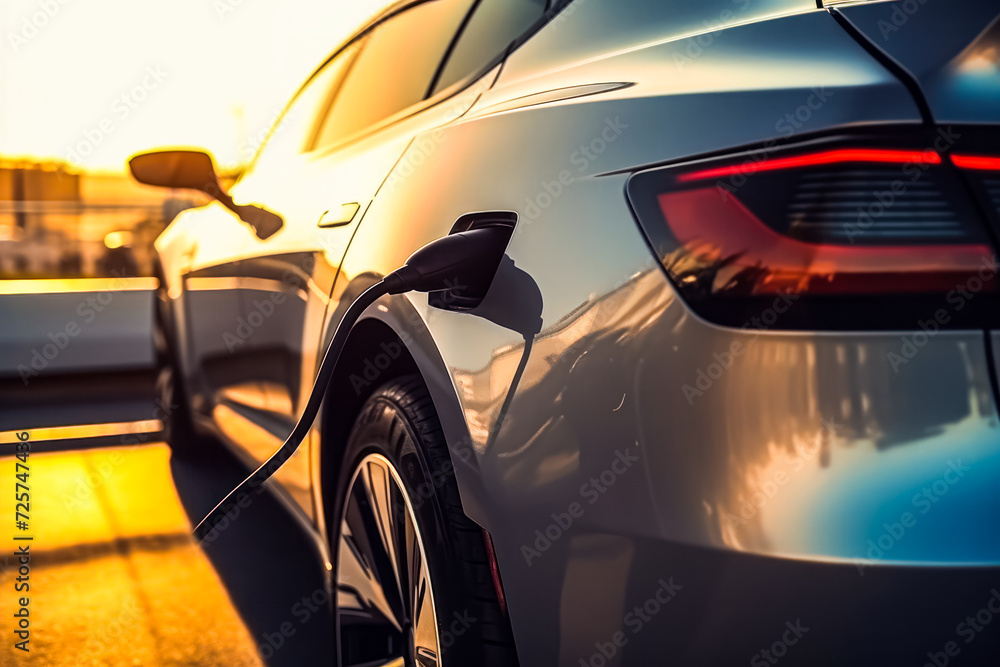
462,263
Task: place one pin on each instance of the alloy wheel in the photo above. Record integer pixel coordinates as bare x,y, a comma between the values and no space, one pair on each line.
385,602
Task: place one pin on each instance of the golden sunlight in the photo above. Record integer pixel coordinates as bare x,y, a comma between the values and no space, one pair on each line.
119,66
114,567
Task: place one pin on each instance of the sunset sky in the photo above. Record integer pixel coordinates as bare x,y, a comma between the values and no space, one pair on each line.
91,82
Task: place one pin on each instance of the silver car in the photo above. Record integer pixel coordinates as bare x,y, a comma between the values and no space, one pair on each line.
731,394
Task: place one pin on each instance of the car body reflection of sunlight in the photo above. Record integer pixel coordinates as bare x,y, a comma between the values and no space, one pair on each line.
116,578
141,429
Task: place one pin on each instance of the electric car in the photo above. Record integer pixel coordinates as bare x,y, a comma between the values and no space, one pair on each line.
729,392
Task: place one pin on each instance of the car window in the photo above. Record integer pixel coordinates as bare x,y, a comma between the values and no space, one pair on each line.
396,68
294,131
490,30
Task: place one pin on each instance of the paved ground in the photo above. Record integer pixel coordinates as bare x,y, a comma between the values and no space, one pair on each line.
116,579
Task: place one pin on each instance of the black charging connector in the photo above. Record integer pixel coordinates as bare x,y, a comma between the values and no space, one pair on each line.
461,264
446,264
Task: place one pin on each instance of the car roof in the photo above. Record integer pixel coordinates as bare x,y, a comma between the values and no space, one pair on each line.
382,15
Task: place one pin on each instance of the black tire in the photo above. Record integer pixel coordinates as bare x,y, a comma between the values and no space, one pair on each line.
398,423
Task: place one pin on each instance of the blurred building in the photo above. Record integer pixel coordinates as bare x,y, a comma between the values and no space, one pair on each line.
56,222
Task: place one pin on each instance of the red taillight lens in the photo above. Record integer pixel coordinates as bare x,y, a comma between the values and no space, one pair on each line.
843,222
837,156
977,162
983,172
716,230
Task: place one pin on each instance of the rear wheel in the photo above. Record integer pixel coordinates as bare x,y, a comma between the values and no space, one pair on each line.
413,580
172,407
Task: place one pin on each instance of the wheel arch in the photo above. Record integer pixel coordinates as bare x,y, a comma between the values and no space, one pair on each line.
393,321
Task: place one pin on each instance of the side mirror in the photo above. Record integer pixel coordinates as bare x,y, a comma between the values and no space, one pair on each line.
189,170
193,170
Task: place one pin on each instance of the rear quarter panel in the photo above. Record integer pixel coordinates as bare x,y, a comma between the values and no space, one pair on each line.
604,378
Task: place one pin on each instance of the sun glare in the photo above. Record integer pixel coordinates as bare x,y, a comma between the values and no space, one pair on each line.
90,83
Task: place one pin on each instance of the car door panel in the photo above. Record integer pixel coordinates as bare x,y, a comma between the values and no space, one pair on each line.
211,268
295,270
322,197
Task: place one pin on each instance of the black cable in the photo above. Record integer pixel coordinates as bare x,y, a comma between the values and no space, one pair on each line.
464,262
515,380
302,426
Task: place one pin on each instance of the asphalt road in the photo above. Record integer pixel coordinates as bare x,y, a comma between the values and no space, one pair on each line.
115,578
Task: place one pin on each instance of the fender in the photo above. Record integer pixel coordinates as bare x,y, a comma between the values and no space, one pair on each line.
398,314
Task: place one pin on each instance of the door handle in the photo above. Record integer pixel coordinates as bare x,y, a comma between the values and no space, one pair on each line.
341,216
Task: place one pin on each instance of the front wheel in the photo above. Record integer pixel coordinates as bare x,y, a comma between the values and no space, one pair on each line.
413,580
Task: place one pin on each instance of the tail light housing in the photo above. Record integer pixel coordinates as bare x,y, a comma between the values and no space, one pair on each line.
853,233
983,174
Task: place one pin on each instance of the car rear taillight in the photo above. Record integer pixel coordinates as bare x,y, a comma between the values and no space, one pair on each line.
983,171
836,228
976,162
